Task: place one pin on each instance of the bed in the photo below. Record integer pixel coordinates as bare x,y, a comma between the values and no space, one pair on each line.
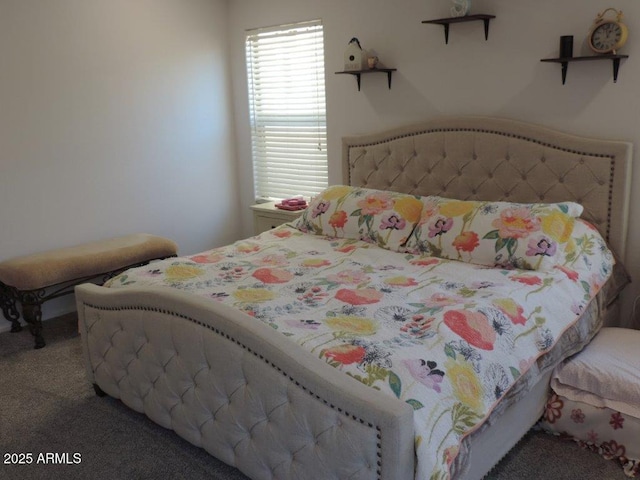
225,375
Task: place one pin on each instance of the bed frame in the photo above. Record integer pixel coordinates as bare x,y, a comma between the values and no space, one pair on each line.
236,388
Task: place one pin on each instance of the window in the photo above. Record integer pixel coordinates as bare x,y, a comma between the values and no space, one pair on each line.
285,68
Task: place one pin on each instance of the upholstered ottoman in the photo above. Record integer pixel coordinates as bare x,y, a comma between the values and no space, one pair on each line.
595,398
33,279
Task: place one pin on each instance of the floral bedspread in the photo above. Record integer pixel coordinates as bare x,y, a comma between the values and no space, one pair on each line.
447,337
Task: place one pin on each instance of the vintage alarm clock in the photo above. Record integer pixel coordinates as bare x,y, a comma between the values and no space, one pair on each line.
608,35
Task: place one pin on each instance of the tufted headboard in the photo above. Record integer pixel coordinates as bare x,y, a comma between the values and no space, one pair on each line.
484,158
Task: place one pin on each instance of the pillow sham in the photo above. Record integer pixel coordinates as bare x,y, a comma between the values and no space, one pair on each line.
503,234
384,218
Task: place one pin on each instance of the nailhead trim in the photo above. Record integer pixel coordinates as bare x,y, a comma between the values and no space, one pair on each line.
266,361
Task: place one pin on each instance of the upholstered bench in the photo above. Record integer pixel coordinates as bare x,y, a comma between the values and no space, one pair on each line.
31,280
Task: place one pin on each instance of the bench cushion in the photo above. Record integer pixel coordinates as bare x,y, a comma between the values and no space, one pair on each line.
32,272
594,398
605,374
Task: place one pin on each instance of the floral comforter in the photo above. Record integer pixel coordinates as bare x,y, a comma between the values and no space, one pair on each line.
447,337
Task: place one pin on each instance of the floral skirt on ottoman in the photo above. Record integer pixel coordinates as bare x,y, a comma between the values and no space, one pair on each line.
595,398
608,432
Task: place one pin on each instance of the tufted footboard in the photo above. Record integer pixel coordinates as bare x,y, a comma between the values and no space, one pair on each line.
239,389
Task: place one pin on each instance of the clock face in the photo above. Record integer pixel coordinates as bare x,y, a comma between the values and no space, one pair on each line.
606,37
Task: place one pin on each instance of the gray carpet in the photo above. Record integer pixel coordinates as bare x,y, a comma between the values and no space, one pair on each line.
47,406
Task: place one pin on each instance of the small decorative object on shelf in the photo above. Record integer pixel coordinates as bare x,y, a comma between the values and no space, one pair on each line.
608,35
355,58
460,8
566,46
445,22
372,62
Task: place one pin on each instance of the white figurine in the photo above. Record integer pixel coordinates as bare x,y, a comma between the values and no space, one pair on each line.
460,8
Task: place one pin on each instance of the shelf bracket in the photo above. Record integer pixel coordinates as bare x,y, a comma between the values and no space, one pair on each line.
486,28
616,67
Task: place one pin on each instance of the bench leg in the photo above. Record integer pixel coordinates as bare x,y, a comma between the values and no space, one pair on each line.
9,308
33,316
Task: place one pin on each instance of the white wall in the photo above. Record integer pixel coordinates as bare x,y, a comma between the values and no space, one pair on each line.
115,117
500,77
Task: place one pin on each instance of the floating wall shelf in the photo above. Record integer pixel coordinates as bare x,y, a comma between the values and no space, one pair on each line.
564,61
357,74
445,22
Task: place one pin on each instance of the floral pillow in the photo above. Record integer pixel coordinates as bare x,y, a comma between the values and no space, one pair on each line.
586,247
503,234
380,217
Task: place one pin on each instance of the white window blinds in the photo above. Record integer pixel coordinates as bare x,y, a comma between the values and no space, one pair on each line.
285,68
